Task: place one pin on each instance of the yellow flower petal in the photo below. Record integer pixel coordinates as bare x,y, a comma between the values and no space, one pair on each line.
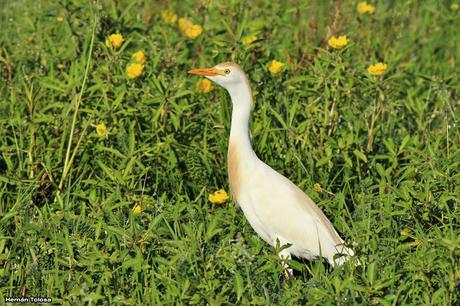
454,6
318,187
137,209
101,130
204,85
249,40
193,31
365,8
169,17
377,69
139,57
134,70
275,67
338,42
184,23
114,41
218,197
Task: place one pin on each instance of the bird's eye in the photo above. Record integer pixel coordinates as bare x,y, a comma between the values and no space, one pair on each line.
227,71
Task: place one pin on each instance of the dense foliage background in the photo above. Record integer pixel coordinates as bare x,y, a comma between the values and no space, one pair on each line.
385,150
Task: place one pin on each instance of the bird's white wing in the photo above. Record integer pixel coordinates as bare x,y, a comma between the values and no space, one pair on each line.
288,214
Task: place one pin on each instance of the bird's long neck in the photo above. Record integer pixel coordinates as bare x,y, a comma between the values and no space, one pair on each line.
241,157
239,132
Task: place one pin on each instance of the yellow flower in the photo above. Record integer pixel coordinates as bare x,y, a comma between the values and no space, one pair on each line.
249,40
204,85
365,8
274,67
338,42
139,57
454,6
134,70
137,209
193,31
114,41
184,23
169,17
60,19
190,29
318,187
101,130
377,69
218,197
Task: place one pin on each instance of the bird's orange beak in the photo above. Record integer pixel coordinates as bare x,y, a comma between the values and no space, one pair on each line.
206,71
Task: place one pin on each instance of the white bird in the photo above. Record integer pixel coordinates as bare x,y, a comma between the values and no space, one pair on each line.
274,206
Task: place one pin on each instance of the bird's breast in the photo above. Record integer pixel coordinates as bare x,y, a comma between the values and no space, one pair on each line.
235,170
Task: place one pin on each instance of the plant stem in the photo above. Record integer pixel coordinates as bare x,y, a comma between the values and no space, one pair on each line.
68,161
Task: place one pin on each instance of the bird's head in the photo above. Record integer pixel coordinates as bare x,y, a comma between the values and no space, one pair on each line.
228,75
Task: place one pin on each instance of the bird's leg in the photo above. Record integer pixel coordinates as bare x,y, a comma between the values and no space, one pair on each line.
284,255
288,273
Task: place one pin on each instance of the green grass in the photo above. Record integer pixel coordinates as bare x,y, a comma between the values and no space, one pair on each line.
386,150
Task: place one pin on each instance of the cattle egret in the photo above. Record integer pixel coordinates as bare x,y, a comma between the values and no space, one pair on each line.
279,211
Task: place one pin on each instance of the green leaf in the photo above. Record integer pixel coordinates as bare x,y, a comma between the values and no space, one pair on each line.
360,155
